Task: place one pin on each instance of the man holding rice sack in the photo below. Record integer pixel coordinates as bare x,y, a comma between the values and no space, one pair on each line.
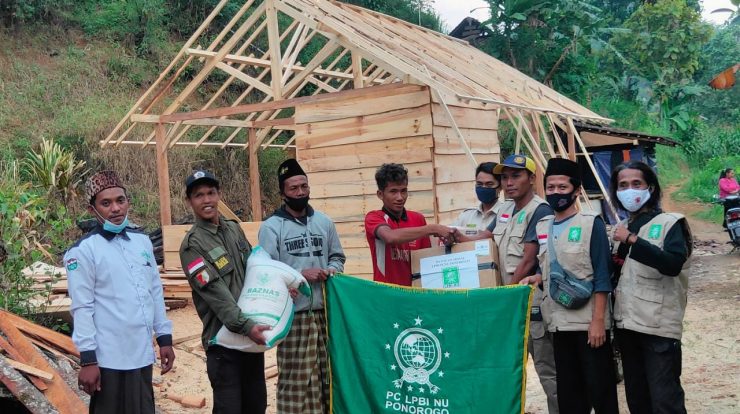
306,240
214,257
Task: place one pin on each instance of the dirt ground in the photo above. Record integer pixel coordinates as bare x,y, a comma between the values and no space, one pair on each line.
711,342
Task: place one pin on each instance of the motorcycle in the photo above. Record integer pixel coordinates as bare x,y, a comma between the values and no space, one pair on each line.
732,219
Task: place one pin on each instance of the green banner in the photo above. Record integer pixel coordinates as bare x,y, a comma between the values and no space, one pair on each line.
406,350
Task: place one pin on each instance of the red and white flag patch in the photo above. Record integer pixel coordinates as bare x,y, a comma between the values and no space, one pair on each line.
542,238
203,278
195,265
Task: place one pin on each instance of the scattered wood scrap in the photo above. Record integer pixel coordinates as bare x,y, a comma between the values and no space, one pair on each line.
51,283
42,380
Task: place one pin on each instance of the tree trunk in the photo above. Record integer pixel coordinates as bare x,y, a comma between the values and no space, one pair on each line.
24,391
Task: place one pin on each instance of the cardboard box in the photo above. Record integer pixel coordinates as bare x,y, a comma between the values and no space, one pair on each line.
486,254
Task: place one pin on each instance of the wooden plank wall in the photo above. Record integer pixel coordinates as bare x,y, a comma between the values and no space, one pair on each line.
454,172
340,144
172,238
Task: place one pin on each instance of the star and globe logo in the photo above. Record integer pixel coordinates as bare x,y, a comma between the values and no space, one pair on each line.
418,356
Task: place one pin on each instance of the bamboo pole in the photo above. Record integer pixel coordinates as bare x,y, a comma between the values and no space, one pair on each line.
593,168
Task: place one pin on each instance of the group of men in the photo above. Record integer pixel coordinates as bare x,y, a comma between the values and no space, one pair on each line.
117,294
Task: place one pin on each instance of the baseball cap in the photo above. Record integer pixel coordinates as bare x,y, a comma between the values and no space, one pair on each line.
200,176
517,161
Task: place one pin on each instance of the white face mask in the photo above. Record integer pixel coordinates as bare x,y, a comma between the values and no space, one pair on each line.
632,199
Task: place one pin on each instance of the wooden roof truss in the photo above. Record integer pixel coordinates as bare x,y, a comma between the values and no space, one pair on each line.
272,55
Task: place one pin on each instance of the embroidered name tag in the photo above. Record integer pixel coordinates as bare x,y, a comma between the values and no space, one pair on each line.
574,234
522,216
220,263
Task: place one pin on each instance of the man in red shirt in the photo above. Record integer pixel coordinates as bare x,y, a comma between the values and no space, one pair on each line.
393,231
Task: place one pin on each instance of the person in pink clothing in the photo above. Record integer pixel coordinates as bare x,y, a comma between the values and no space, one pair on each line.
728,185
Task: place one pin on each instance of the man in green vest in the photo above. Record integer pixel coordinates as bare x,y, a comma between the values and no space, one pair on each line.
214,258
515,233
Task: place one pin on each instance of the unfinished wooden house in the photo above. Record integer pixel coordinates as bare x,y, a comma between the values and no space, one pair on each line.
349,89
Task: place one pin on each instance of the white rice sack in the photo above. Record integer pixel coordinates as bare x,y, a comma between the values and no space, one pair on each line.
266,300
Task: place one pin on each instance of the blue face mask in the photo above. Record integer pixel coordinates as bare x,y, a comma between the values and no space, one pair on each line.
110,227
486,195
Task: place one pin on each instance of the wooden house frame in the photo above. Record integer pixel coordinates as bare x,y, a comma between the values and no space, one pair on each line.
348,89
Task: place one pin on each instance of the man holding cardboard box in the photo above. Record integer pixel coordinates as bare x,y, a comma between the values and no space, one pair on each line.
393,232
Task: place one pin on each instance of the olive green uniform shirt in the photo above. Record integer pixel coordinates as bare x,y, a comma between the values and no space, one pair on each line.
214,259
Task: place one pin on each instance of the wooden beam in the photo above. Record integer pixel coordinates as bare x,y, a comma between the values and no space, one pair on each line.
273,37
253,61
29,369
532,108
210,144
357,69
245,78
254,176
58,392
27,394
169,67
315,62
227,212
163,177
268,106
13,353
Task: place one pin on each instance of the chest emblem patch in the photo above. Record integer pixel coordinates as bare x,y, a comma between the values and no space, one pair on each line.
574,234
655,230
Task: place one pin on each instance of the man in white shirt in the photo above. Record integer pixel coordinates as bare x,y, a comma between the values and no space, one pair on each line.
473,222
117,305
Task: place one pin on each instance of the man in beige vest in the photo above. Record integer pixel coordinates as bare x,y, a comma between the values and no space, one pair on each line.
514,231
651,252
576,242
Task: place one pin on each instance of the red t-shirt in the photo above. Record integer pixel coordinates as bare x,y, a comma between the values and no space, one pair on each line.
392,263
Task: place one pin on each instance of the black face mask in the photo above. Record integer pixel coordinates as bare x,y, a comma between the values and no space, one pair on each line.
296,204
560,202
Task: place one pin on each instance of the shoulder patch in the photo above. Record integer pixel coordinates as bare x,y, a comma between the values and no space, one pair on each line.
203,278
195,266
71,264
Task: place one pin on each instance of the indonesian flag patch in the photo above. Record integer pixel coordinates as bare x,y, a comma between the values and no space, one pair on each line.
203,278
195,265
542,238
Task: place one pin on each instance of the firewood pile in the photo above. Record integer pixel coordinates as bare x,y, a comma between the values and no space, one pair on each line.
39,367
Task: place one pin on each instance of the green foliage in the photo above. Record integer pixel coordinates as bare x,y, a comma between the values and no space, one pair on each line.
420,12
31,225
663,45
140,23
54,169
721,52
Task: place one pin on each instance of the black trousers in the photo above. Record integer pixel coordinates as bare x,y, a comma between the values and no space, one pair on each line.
585,375
652,372
238,381
124,392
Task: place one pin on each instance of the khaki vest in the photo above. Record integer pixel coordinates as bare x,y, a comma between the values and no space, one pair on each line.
509,235
573,250
646,300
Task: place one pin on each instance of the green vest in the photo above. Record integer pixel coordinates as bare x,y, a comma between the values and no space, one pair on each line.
646,300
573,250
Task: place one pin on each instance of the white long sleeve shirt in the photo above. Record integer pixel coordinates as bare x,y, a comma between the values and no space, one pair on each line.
117,300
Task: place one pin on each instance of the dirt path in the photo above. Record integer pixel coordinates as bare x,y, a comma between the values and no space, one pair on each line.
711,343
